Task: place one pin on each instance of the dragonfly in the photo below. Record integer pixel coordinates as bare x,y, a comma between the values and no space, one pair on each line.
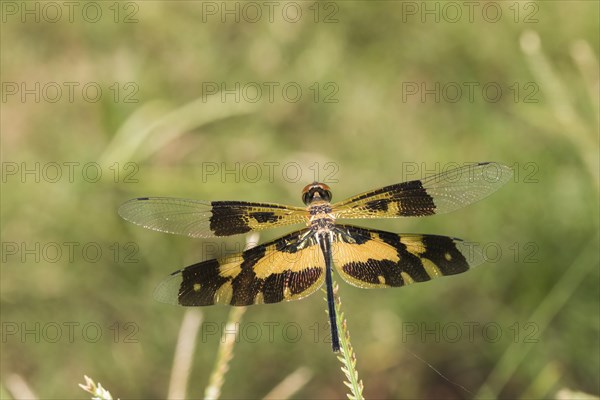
297,264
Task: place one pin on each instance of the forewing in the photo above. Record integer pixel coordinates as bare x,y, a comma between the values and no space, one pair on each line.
289,268
437,194
208,218
376,259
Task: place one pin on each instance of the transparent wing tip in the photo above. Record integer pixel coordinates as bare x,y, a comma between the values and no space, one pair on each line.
127,209
494,172
471,251
168,290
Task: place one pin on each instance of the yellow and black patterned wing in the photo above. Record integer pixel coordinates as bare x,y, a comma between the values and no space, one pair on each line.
208,218
289,268
377,259
438,194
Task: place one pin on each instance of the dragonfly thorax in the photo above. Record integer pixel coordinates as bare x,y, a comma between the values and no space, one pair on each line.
321,217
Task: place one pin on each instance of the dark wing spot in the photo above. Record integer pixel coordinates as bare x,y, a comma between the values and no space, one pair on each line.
413,266
266,216
206,274
413,199
377,205
273,287
297,282
245,288
300,281
246,285
392,239
371,270
252,256
228,218
436,248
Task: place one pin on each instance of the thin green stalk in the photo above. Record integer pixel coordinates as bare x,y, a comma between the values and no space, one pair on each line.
348,358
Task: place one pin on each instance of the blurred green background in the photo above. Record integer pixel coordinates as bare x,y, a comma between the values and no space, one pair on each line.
378,105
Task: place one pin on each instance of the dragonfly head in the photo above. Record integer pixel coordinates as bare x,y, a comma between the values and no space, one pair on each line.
316,191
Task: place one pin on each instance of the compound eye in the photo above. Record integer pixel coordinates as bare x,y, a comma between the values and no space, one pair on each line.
306,198
326,194
324,191
307,194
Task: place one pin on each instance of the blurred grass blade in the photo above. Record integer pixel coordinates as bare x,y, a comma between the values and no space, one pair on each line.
564,288
568,394
225,354
19,388
134,131
290,385
184,353
544,383
561,102
555,88
138,139
587,62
